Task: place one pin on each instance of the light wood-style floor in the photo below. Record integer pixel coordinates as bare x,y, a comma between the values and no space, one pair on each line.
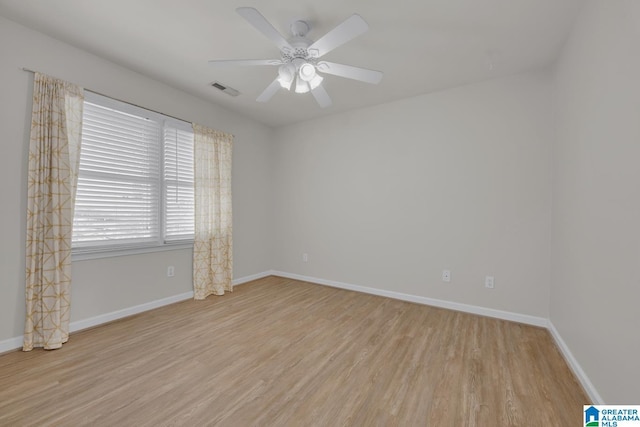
281,352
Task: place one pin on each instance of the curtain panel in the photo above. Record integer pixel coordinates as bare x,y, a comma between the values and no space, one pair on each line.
212,247
54,155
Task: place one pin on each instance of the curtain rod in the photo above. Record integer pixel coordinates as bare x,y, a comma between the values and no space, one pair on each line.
126,102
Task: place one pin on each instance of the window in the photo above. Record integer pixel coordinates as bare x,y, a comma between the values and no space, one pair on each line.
178,184
135,180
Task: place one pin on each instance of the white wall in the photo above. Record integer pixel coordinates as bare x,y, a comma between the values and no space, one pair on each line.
595,295
387,197
106,285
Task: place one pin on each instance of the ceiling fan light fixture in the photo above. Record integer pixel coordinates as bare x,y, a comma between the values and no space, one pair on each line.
300,57
302,86
307,72
286,74
284,83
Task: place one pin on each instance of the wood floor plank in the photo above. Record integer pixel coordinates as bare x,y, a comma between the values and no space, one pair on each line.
279,352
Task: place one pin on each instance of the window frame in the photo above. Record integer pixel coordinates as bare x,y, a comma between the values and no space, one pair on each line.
159,242
179,184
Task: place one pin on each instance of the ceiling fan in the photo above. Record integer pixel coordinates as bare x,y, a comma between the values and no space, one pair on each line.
300,61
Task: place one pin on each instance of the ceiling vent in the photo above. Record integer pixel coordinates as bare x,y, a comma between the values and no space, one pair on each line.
226,89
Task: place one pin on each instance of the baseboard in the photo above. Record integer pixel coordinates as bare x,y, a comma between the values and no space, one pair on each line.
591,391
129,311
474,309
108,317
246,279
16,342
11,344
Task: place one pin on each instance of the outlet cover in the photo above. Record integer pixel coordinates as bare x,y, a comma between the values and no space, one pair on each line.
488,282
446,275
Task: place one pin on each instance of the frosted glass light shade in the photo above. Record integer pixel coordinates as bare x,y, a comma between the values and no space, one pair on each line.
286,74
302,86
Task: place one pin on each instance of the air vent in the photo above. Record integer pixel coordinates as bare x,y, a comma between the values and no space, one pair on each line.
226,89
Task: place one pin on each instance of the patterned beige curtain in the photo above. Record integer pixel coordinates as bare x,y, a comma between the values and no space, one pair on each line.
212,248
54,154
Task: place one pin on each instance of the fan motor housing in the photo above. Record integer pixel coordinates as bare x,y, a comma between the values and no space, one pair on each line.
299,28
299,42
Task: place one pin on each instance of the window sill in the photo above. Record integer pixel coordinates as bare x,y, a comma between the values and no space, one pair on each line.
82,255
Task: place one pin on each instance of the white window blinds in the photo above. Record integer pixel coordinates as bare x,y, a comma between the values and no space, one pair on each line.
135,180
178,184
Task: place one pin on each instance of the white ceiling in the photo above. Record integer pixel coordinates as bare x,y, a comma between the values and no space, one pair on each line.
420,45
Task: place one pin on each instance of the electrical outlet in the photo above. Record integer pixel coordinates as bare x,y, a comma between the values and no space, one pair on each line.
446,275
488,282
171,271
305,257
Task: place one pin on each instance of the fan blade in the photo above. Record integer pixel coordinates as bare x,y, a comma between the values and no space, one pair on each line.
349,29
269,91
261,24
321,96
350,72
225,62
